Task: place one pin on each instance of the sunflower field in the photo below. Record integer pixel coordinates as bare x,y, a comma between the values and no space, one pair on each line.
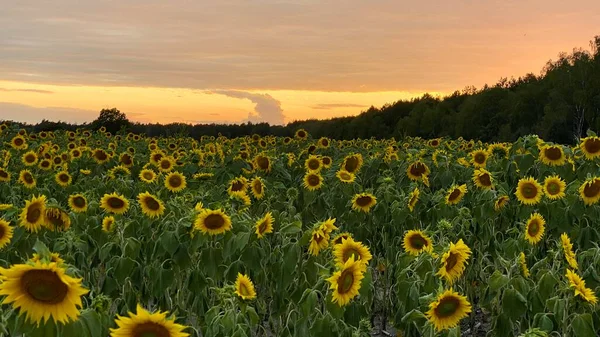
129,236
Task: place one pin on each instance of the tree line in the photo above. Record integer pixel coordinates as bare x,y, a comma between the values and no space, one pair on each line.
560,105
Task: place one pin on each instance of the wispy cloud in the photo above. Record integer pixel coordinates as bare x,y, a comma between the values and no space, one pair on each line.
328,106
30,114
27,90
267,108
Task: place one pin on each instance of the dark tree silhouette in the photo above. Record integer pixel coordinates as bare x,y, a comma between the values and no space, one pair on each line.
113,120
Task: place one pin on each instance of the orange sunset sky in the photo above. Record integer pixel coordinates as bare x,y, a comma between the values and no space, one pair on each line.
232,61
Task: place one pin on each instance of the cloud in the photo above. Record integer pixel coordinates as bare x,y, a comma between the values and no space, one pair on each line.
267,108
327,106
27,90
29,114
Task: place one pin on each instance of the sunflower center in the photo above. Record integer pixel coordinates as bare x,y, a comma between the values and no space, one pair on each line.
150,329
152,204
417,242
553,153
447,307
263,226
34,213
313,180
553,188
237,186
18,141
214,221
175,181
57,160
44,286
28,178
345,282
2,232
3,174
158,157
451,261
55,218
63,178
363,201
244,290
263,162
348,253
351,164
79,202
301,134
417,169
147,175
533,228
479,158
165,164
126,160
45,163
258,187
529,190
313,164
345,176
485,180
116,203
591,190
454,195
592,145
326,160
30,158
317,238
100,155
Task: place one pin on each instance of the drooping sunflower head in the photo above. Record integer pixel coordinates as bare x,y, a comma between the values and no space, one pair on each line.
114,203
345,176
578,284
529,191
350,248
63,178
454,261
319,240
568,251
56,219
554,187
6,233
151,205
313,164
500,202
413,198
108,224
27,179
244,287
590,146
345,282
455,194
590,191
447,310
417,170
212,222
146,324
258,187
483,179
416,242
78,203
313,181
363,202
51,258
534,228
552,155
523,263
42,291
353,162
264,225
32,216
175,182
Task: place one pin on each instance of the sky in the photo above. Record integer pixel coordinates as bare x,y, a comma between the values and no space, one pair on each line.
233,61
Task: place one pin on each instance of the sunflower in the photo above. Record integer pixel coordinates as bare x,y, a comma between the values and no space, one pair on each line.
148,176
417,170
455,194
258,187
63,178
212,222
6,233
56,219
483,179
338,239
554,187
244,287
352,163
29,158
45,164
32,216
165,164
75,153
126,159
100,156
590,147
529,191
319,240
523,263
416,242
203,176
534,228
4,175
568,250
108,224
447,310
53,257
350,248
578,284
264,225
18,143
323,142
42,291
363,202
500,202
78,203
175,182
27,179
313,164
118,171
263,163
114,203
146,324
4,207
151,206
346,281
552,155
301,134
345,176
85,172
413,199
236,185
326,161
479,158
313,181
454,261
590,191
